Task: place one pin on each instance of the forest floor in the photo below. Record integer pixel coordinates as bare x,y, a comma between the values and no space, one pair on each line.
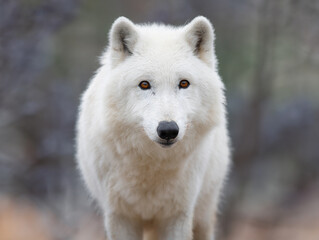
23,220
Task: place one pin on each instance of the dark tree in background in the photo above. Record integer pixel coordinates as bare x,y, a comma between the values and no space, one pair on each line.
36,126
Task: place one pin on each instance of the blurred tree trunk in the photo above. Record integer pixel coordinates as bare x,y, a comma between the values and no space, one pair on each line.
248,147
25,31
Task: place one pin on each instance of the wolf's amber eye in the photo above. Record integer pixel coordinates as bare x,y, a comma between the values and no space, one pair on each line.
184,84
144,85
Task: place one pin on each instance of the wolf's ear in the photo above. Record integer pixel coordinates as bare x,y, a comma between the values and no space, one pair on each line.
123,37
200,36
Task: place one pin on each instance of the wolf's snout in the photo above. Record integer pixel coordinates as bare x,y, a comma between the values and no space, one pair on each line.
167,130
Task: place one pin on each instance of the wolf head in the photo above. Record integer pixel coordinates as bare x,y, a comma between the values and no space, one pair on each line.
161,82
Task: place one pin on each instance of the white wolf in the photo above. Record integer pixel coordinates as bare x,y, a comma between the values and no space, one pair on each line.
152,140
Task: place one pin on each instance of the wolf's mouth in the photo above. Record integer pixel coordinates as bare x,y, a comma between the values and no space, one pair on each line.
167,143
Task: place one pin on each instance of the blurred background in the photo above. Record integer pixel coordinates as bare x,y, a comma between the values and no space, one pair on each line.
268,53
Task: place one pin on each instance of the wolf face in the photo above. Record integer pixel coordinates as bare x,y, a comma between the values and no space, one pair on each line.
163,79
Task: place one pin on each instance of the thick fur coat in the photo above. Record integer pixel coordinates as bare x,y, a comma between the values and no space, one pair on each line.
148,184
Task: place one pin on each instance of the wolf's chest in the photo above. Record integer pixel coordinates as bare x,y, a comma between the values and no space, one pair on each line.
146,194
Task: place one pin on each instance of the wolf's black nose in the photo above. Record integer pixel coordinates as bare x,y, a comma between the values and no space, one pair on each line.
167,130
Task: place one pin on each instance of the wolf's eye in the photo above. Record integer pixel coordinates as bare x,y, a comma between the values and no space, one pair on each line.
144,85
184,84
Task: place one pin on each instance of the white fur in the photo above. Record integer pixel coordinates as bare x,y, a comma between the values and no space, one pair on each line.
138,183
